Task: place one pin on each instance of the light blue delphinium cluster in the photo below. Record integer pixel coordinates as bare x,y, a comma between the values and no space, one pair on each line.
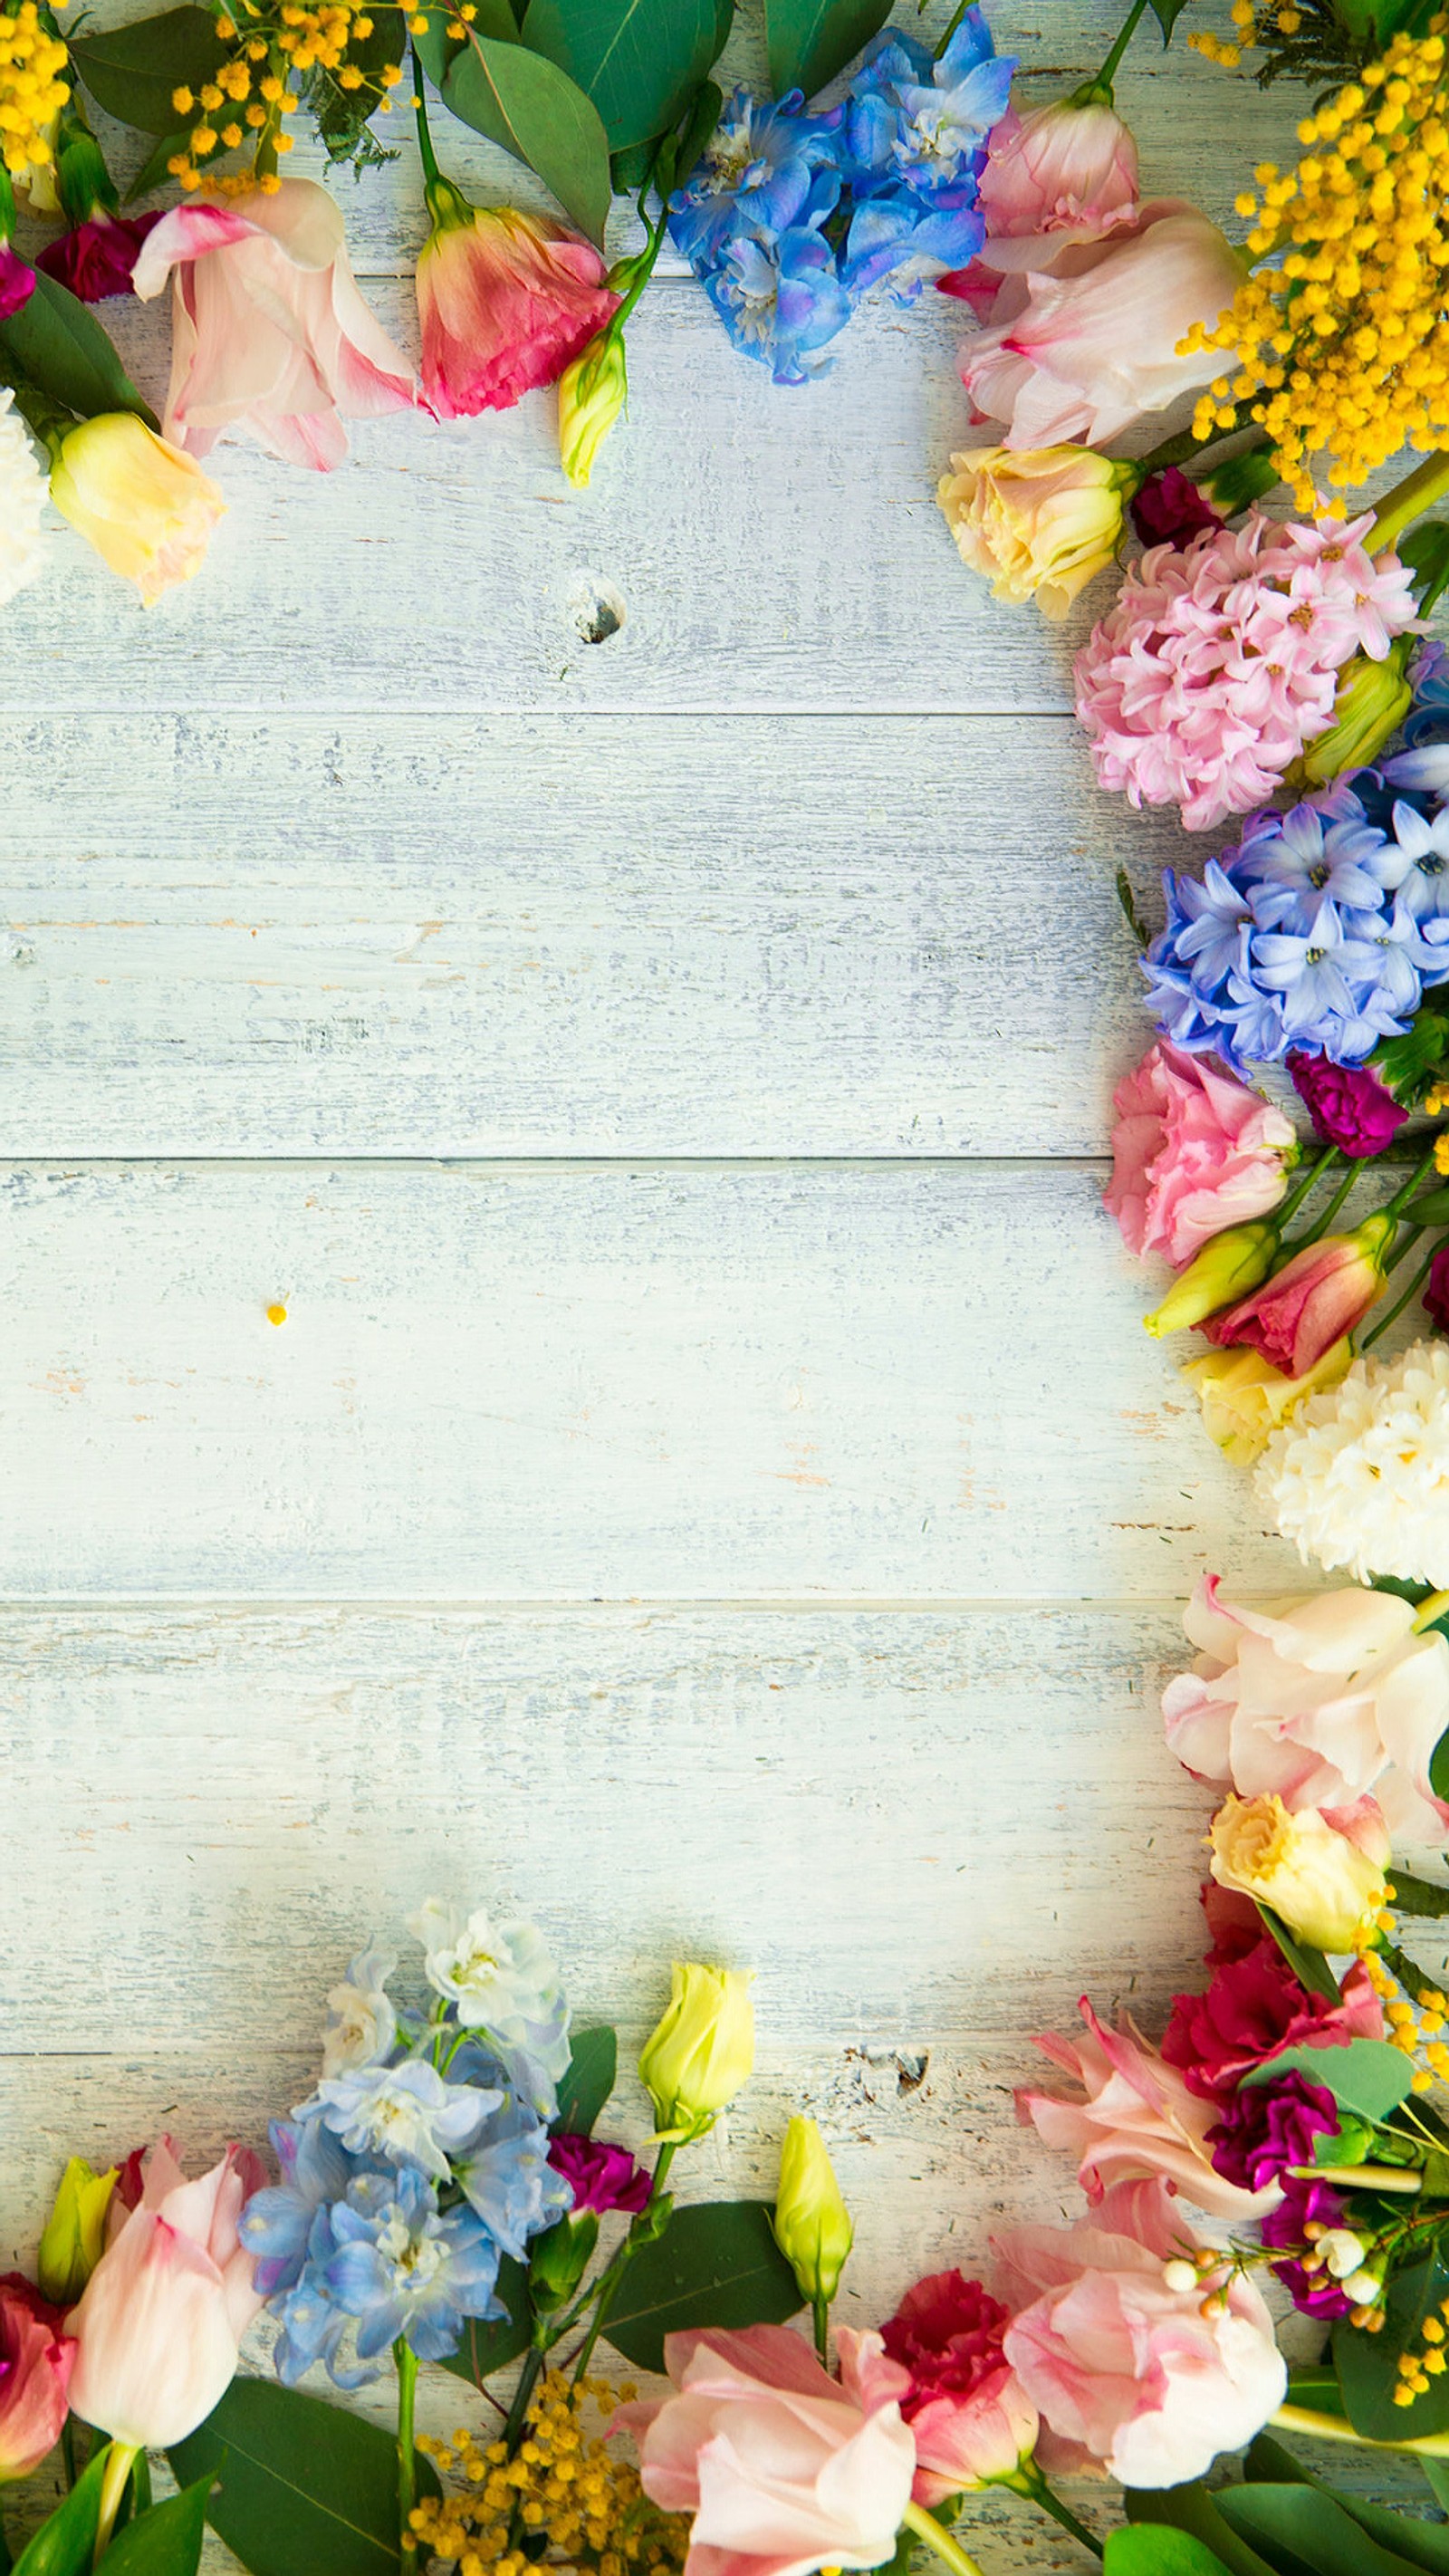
422,2156
790,216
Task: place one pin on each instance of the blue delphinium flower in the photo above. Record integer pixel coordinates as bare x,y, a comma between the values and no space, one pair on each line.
406,2114
276,2224
404,2268
915,147
508,2181
780,299
767,164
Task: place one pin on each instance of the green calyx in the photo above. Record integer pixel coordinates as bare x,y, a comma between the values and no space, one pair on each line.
447,205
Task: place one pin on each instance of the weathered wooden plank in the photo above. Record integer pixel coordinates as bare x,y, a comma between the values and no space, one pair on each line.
288,934
524,1382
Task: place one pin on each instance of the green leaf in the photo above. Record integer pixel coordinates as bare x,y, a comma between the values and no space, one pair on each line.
703,118
1426,551
523,101
717,2264
341,115
65,2543
1403,1062
811,40
1304,2531
167,2540
1309,1966
57,342
1154,2549
1167,13
589,2081
301,2486
1423,2544
154,172
490,2344
1365,2362
1315,2384
1418,1895
1437,2473
132,71
1365,2075
1192,2509
638,60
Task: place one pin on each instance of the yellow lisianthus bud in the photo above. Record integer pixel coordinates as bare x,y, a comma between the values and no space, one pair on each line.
1244,1398
75,2232
1372,701
145,505
702,2051
1235,1262
1320,1884
591,394
1038,522
812,2224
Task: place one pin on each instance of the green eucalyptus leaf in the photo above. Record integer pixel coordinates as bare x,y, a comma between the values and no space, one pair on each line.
301,2486
589,2081
491,2343
131,71
166,2540
65,2543
811,40
1190,2508
1154,2549
1167,13
1418,1895
1366,2076
57,342
155,171
703,118
640,61
520,99
1365,2363
1437,2473
717,2264
1305,2531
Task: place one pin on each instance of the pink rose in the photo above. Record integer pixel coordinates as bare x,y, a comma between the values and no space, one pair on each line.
1084,352
1138,2119
1326,1701
1324,1292
1254,2008
1126,2370
505,301
972,2420
96,259
36,2361
1066,171
1193,1151
783,2468
162,2316
270,333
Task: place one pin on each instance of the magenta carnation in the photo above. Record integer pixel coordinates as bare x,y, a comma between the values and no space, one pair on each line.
17,282
1436,1293
1265,2128
1347,1103
601,2177
1220,661
1170,508
96,259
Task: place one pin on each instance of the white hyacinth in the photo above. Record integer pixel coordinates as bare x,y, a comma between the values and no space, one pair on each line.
23,487
1360,1475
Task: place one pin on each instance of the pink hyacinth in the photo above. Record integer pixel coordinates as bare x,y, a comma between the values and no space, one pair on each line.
1220,661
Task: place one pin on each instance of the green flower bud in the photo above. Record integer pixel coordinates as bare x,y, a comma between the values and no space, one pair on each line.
75,2232
591,395
811,2222
558,2260
1372,702
701,2053
1235,1262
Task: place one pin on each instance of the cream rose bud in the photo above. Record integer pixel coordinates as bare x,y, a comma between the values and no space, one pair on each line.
702,2051
813,2227
1038,523
1320,1884
146,507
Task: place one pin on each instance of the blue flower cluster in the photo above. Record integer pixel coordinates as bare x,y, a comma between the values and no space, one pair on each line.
1322,927
421,2158
789,216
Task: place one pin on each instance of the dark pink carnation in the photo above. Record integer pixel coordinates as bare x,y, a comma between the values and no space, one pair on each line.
1265,2128
947,2333
601,2177
1347,1103
17,282
96,259
1254,2007
1170,508
1233,1921
1304,2204
1436,1292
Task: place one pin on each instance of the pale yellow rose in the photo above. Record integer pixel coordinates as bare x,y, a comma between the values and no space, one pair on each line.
1320,1884
1244,1398
146,508
702,2051
1038,522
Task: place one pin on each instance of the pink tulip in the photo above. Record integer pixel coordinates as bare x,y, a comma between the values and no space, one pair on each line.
1126,2370
36,2361
1087,351
1137,2119
506,302
972,2421
1193,1151
270,332
162,2316
783,2468
1322,1293
1066,171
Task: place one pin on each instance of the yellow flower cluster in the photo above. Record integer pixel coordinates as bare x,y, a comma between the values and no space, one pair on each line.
1417,2034
1254,26
31,90
1416,2369
564,2485
254,88
1342,341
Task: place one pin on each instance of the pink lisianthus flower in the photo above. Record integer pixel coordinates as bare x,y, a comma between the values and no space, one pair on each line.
1253,2009
969,2415
600,2177
1308,1305
783,2468
1136,2119
96,258
1220,660
1193,1150
270,333
506,302
1123,2368
1083,353
160,2320
1325,1701
36,2361
1065,171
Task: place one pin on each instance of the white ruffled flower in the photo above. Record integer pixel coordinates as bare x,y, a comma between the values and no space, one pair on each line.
1360,1476
361,2023
501,1980
23,488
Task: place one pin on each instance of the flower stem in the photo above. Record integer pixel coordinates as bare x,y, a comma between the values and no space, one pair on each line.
952,23
1299,1193
1396,1310
1335,2428
936,2537
1419,1173
1098,92
513,2430
1322,1222
820,2311
611,2278
431,172
1408,500
1029,2482
120,2461
407,2389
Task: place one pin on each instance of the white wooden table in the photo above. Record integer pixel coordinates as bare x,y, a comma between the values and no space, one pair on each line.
712,1489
